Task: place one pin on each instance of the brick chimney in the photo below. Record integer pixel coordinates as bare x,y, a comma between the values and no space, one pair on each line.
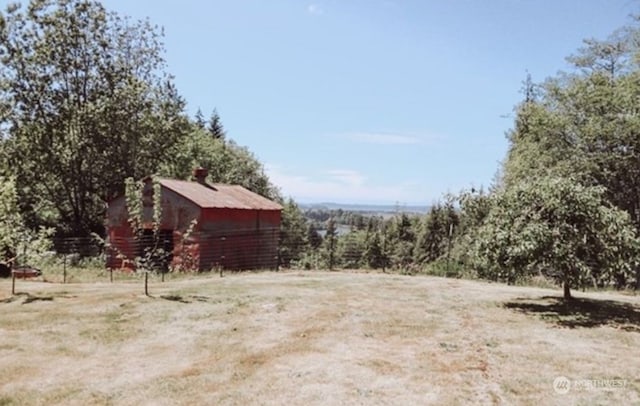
200,174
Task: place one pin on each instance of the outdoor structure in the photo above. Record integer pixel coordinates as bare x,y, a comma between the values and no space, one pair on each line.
203,226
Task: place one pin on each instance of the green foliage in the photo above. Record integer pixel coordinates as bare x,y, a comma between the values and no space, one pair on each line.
133,199
311,260
558,227
157,204
226,161
330,243
355,220
216,129
374,256
576,140
186,257
448,269
402,254
585,124
293,234
400,240
199,121
17,242
151,253
313,237
12,225
435,232
350,250
85,104
475,206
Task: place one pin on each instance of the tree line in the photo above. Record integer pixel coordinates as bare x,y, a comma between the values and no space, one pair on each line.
566,202
86,102
402,242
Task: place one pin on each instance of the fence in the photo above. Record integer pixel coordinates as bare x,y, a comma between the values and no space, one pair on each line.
205,251
168,251
162,251
202,251
93,259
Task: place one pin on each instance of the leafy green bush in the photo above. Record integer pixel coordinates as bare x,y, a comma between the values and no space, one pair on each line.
448,269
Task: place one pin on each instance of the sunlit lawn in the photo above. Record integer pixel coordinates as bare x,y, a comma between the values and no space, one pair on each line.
311,338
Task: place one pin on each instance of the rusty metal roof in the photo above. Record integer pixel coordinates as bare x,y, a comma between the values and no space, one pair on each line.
220,196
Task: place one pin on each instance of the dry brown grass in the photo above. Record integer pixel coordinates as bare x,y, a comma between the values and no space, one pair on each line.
312,338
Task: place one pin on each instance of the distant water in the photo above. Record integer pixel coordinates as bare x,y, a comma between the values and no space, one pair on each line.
367,208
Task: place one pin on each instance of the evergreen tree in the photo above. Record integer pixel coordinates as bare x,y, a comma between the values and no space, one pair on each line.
199,120
432,235
215,126
330,243
350,250
313,237
373,255
401,241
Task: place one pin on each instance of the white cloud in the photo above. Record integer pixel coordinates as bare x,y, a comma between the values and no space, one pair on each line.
381,138
315,9
347,177
342,186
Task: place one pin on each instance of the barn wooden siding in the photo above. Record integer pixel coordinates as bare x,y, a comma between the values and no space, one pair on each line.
235,229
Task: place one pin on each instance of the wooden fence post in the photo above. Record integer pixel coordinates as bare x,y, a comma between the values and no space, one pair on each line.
449,249
222,258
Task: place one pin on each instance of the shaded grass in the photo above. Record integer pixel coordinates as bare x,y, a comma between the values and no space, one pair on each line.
581,312
182,298
25,298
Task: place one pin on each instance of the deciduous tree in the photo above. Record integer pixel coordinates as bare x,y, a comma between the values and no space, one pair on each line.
559,227
86,104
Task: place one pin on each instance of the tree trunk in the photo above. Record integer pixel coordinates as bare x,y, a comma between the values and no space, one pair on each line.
567,290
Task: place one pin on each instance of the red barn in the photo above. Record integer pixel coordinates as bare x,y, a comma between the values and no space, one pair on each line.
203,226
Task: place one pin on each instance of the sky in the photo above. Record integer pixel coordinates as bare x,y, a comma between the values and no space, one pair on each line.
370,101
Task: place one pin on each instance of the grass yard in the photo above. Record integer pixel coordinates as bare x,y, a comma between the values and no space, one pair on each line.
314,338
